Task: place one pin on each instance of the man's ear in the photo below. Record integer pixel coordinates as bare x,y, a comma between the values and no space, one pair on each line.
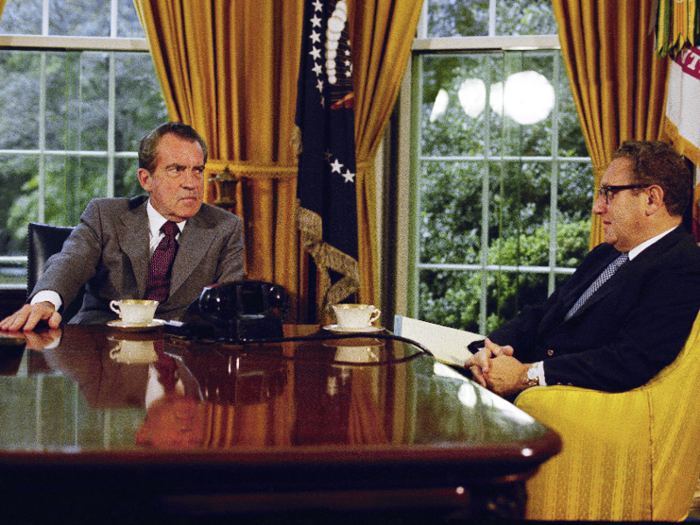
145,179
655,199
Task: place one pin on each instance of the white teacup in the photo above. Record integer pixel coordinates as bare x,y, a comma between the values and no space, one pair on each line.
135,311
355,316
356,354
134,352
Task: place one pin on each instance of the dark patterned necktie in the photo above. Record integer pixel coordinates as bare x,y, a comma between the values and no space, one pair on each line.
607,274
161,265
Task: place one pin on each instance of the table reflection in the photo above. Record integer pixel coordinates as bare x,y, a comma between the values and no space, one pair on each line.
175,393
365,421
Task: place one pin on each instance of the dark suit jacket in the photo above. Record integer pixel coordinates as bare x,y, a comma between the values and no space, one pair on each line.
109,250
634,326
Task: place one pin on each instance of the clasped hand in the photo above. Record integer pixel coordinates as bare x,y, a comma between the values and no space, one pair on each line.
495,368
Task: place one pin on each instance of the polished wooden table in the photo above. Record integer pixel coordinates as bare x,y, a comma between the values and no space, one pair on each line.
118,423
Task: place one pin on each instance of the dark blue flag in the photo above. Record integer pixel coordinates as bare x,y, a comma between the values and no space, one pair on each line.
327,175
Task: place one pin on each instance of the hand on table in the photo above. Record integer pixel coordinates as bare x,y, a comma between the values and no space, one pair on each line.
27,317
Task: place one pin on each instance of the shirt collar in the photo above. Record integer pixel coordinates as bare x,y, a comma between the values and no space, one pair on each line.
639,249
156,220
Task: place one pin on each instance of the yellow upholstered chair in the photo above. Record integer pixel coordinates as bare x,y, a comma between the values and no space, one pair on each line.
626,456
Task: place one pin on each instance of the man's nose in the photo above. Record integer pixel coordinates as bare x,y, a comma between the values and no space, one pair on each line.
599,205
192,178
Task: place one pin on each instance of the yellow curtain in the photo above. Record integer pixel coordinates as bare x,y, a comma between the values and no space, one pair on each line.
229,69
618,83
2,6
383,33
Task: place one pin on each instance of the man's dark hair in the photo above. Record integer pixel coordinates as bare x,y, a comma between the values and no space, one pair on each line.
148,149
657,163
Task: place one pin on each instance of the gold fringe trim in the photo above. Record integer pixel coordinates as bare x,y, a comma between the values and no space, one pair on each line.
327,258
296,141
680,144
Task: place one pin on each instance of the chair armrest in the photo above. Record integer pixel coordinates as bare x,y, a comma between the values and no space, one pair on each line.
605,439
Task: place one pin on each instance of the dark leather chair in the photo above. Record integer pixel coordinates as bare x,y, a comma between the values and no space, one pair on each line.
43,241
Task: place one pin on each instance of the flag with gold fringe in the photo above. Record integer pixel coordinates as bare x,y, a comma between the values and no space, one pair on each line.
677,26
326,188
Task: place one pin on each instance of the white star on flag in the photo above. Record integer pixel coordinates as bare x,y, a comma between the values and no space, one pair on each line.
316,21
315,37
336,166
318,5
349,176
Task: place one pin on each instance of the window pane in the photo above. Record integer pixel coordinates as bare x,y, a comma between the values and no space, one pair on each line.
79,17
525,17
76,104
520,202
455,91
572,143
126,183
19,91
575,191
509,292
21,17
128,24
450,298
140,106
19,183
450,212
457,18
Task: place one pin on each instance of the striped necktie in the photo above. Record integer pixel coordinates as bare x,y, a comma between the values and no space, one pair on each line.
602,278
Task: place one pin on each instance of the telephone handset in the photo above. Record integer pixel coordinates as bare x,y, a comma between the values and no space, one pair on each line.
234,311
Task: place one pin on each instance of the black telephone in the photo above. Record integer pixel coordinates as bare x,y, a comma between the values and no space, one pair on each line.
234,311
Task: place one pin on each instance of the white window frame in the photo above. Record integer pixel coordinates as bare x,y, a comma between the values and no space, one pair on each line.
408,265
46,43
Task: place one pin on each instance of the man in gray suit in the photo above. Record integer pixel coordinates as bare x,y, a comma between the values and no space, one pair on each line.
109,251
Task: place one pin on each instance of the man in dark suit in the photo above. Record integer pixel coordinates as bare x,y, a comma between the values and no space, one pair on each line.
110,249
622,334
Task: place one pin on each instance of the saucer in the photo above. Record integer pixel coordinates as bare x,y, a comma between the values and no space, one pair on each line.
136,327
364,330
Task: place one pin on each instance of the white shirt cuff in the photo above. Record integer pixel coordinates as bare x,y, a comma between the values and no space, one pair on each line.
539,370
48,295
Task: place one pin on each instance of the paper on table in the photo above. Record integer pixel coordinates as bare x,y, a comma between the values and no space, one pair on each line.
448,345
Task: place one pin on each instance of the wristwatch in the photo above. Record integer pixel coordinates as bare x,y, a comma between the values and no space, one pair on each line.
533,378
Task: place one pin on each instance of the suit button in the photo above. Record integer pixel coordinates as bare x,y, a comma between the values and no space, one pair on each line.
550,352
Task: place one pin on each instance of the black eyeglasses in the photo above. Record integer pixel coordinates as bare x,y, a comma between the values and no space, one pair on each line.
607,191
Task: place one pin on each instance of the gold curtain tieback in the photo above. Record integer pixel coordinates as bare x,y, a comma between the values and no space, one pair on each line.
251,171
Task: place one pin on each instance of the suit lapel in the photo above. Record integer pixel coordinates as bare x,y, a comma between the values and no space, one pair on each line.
194,242
631,270
133,238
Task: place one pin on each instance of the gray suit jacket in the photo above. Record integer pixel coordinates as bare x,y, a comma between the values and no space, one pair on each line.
109,250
